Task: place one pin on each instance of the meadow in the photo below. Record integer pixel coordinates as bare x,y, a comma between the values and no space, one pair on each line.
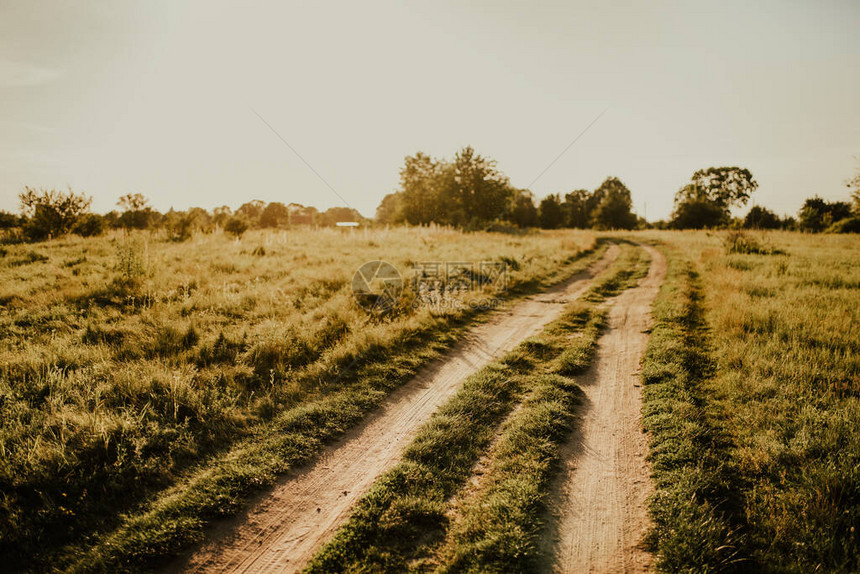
148,387
130,364
751,398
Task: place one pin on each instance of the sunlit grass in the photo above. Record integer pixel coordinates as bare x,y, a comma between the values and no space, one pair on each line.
126,360
780,333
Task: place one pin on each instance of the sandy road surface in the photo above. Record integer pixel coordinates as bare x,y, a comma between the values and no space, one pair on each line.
605,481
287,524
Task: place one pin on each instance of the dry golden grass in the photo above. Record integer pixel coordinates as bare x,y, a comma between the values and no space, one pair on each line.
754,403
126,359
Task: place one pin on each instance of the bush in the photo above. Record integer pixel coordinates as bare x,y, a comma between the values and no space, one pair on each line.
817,215
9,220
51,213
178,226
236,226
846,225
738,241
89,225
761,218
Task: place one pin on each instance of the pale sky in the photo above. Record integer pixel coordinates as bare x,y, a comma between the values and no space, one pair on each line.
160,97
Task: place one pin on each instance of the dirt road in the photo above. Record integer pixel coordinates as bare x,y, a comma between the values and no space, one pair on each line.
602,513
287,524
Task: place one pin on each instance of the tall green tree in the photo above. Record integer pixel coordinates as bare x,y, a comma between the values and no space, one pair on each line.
551,212
576,208
615,210
390,209
707,200
726,186
483,191
693,209
522,211
421,188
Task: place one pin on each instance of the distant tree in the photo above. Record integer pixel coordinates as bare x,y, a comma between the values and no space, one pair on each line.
50,212
9,220
334,215
707,200
761,218
133,202
470,190
200,219
816,215
695,210
615,210
111,219
726,186
137,213
576,209
220,215
483,191
854,185
551,214
390,209
179,225
236,226
301,215
788,222
521,209
274,215
89,225
425,185
251,211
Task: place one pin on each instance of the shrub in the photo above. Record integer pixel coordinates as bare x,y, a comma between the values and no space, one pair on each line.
847,225
236,226
130,263
738,241
761,218
9,220
51,213
89,225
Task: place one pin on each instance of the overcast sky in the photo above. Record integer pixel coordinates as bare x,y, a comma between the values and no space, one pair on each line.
160,97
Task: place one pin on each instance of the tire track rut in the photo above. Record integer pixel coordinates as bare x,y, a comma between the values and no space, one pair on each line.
602,492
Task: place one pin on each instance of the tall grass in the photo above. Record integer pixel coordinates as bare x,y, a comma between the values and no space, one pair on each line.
780,329
129,364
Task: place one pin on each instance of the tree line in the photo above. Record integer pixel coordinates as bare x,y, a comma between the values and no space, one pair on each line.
467,191
470,192
47,213
706,201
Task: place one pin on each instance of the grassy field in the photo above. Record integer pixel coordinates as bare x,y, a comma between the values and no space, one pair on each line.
146,386
515,412
753,375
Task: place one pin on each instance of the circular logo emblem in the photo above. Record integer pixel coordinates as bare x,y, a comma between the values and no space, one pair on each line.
377,286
